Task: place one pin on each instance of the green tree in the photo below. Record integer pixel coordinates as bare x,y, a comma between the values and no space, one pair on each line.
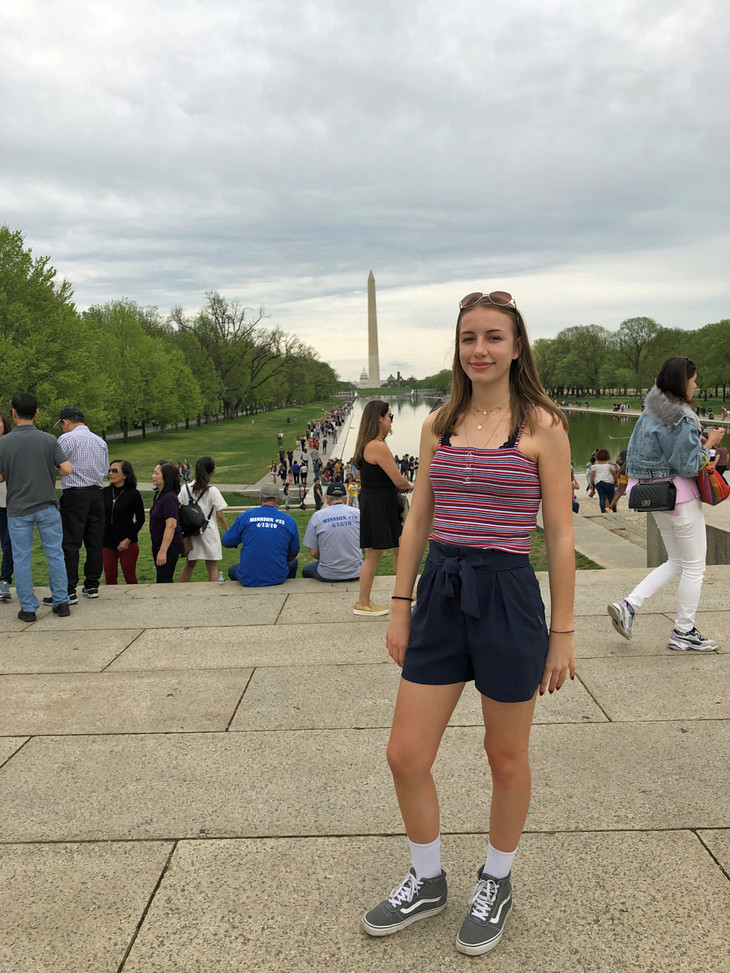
45,347
635,340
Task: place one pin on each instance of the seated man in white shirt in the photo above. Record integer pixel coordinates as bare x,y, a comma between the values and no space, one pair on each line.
333,539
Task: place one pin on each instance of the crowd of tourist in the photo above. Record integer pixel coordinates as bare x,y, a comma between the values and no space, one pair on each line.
185,519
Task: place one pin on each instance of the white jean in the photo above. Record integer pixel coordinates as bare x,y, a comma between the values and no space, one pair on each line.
685,539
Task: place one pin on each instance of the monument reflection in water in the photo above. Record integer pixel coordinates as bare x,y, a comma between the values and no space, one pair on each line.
587,430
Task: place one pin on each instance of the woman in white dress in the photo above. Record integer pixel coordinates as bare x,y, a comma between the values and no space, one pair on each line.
206,546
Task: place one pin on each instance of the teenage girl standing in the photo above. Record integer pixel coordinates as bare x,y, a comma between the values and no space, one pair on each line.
488,457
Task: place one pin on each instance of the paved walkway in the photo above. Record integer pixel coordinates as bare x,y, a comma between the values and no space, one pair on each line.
192,780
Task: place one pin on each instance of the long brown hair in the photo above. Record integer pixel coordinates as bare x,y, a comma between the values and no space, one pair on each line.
369,426
7,424
524,383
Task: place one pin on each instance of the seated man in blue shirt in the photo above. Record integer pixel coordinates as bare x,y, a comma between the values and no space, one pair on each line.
333,539
269,542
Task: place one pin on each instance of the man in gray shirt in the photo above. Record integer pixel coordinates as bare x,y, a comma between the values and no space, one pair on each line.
333,539
29,461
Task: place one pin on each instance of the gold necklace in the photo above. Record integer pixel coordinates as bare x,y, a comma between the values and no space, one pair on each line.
495,428
486,412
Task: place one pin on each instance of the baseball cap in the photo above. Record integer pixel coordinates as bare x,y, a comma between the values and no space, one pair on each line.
69,412
336,489
269,491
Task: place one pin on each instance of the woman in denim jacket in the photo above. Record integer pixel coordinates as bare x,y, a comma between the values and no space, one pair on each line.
666,443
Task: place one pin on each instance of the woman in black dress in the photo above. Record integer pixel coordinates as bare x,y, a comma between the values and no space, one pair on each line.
124,517
380,481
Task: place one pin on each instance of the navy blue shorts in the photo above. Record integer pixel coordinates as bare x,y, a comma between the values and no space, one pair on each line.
479,616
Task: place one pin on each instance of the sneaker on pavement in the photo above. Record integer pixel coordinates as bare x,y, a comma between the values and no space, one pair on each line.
489,906
691,640
63,611
369,609
5,593
73,599
622,616
90,591
26,616
408,902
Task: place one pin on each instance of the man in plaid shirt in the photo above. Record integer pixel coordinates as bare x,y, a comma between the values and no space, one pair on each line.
82,505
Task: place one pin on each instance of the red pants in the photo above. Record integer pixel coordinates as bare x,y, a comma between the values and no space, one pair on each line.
128,560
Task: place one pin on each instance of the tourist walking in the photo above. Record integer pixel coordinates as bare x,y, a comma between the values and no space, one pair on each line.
123,519
603,479
490,456
380,481
666,444
205,546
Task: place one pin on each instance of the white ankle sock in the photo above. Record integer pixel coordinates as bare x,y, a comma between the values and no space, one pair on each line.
499,863
426,859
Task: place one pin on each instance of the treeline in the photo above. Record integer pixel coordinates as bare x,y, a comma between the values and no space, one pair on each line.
591,360
127,366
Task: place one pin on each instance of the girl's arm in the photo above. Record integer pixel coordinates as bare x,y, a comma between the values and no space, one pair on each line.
377,452
412,545
553,459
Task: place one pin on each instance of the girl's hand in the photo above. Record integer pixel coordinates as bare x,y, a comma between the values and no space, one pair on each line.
399,632
161,558
123,545
560,663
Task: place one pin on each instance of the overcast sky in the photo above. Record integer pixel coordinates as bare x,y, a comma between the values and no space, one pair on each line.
573,152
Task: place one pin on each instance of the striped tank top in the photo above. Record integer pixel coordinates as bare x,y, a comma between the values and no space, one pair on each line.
485,498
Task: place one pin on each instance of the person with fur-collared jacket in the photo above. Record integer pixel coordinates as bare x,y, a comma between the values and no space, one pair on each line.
666,443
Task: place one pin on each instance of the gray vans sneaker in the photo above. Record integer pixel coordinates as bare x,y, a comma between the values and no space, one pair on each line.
409,901
489,906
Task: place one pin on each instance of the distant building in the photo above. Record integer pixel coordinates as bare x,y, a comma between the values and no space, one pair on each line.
364,379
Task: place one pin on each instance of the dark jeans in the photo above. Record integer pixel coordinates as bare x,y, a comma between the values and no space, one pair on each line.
82,514
6,570
166,572
311,570
605,493
291,565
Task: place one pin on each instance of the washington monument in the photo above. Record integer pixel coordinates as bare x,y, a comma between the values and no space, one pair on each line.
373,356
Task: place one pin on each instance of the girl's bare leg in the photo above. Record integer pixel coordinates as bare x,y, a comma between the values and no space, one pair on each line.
506,740
187,570
212,567
367,574
421,716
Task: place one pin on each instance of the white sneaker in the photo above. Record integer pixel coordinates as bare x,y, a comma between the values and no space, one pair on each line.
622,616
691,640
5,593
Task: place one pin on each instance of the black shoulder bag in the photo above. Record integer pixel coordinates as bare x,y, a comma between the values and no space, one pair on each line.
192,519
646,496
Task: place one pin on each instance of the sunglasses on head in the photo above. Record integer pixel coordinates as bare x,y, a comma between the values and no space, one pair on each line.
497,298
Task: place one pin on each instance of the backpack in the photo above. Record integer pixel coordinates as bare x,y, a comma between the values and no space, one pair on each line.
192,519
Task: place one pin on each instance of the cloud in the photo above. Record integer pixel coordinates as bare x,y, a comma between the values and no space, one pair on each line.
277,152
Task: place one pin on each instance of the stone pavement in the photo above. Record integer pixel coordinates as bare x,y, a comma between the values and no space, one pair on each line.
193,780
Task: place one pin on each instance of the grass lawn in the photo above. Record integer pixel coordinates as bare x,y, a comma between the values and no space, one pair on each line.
242,451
